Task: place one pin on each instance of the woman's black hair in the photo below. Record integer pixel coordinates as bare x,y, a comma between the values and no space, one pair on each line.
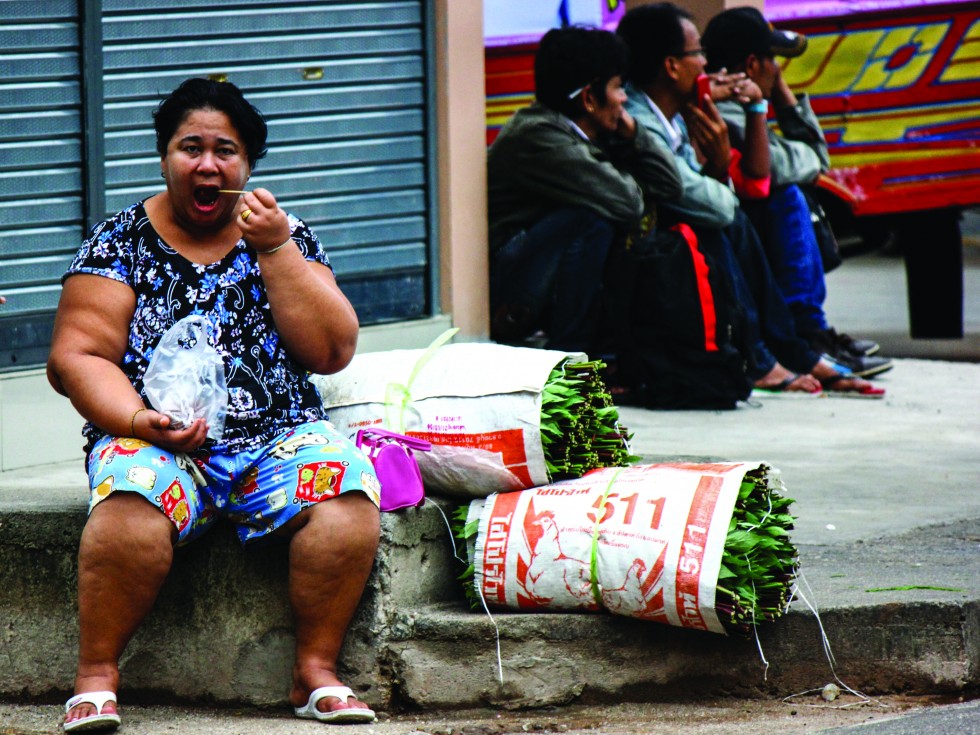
652,33
205,94
571,58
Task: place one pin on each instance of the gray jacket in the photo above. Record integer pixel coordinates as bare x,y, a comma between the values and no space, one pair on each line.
539,163
704,201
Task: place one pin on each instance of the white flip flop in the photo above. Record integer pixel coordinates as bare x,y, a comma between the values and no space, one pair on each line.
100,720
346,715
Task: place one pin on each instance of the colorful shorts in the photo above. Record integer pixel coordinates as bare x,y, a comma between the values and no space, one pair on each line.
258,489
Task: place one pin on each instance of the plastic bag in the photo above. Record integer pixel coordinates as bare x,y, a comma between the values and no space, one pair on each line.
186,377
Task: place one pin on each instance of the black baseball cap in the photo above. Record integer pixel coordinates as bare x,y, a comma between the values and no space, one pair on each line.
735,33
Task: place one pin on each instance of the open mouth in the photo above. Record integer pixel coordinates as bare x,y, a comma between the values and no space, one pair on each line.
206,196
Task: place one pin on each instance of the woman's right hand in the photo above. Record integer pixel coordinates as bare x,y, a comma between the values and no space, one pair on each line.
266,225
156,428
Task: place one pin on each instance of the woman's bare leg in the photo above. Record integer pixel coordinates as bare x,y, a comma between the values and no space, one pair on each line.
123,559
330,558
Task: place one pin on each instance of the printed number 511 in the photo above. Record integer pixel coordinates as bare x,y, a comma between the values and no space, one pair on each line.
613,503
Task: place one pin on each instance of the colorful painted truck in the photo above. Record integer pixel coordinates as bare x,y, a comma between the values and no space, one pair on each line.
896,84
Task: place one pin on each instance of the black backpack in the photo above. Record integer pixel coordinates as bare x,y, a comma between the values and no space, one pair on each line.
678,332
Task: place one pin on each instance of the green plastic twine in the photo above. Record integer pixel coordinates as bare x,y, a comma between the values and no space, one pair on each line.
594,560
401,395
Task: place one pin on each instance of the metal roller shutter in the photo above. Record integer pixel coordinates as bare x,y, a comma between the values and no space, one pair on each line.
342,86
41,202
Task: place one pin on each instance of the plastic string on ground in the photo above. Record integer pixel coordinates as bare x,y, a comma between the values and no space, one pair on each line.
452,540
864,698
755,627
500,662
475,590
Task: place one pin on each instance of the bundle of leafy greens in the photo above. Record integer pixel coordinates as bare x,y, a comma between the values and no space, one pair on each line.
580,428
759,562
758,565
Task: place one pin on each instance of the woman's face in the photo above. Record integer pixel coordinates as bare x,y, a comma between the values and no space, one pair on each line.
606,116
204,155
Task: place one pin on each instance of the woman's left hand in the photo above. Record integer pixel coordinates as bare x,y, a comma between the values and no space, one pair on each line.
263,224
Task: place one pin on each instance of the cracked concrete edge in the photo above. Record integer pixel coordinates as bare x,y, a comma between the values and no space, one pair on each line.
448,659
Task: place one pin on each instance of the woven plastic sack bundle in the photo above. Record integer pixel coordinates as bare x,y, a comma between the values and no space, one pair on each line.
702,546
499,418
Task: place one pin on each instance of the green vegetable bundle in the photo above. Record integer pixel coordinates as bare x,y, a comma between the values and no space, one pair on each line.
758,562
580,428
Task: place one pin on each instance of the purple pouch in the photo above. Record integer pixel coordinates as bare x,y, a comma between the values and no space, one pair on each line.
395,465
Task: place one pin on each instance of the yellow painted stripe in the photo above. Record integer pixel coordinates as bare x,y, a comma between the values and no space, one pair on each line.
501,109
846,160
891,126
963,64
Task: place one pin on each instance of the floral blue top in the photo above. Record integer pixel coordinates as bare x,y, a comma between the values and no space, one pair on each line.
267,391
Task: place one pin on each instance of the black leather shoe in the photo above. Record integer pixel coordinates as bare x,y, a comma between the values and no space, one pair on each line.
862,367
864,347
830,342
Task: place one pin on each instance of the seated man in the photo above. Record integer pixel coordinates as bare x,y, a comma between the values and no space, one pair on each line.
665,61
741,40
564,184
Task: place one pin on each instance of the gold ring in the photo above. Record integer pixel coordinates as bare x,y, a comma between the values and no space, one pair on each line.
245,214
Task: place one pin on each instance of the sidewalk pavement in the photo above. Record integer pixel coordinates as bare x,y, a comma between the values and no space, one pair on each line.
885,716
866,297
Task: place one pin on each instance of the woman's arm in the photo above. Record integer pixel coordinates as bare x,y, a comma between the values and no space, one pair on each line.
91,330
314,319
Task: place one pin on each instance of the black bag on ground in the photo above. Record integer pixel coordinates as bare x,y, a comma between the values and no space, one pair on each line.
675,324
829,247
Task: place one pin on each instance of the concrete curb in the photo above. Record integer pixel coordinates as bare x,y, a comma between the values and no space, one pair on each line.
221,632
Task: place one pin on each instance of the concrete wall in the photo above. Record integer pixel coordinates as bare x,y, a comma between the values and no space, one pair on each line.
221,629
221,632
461,115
